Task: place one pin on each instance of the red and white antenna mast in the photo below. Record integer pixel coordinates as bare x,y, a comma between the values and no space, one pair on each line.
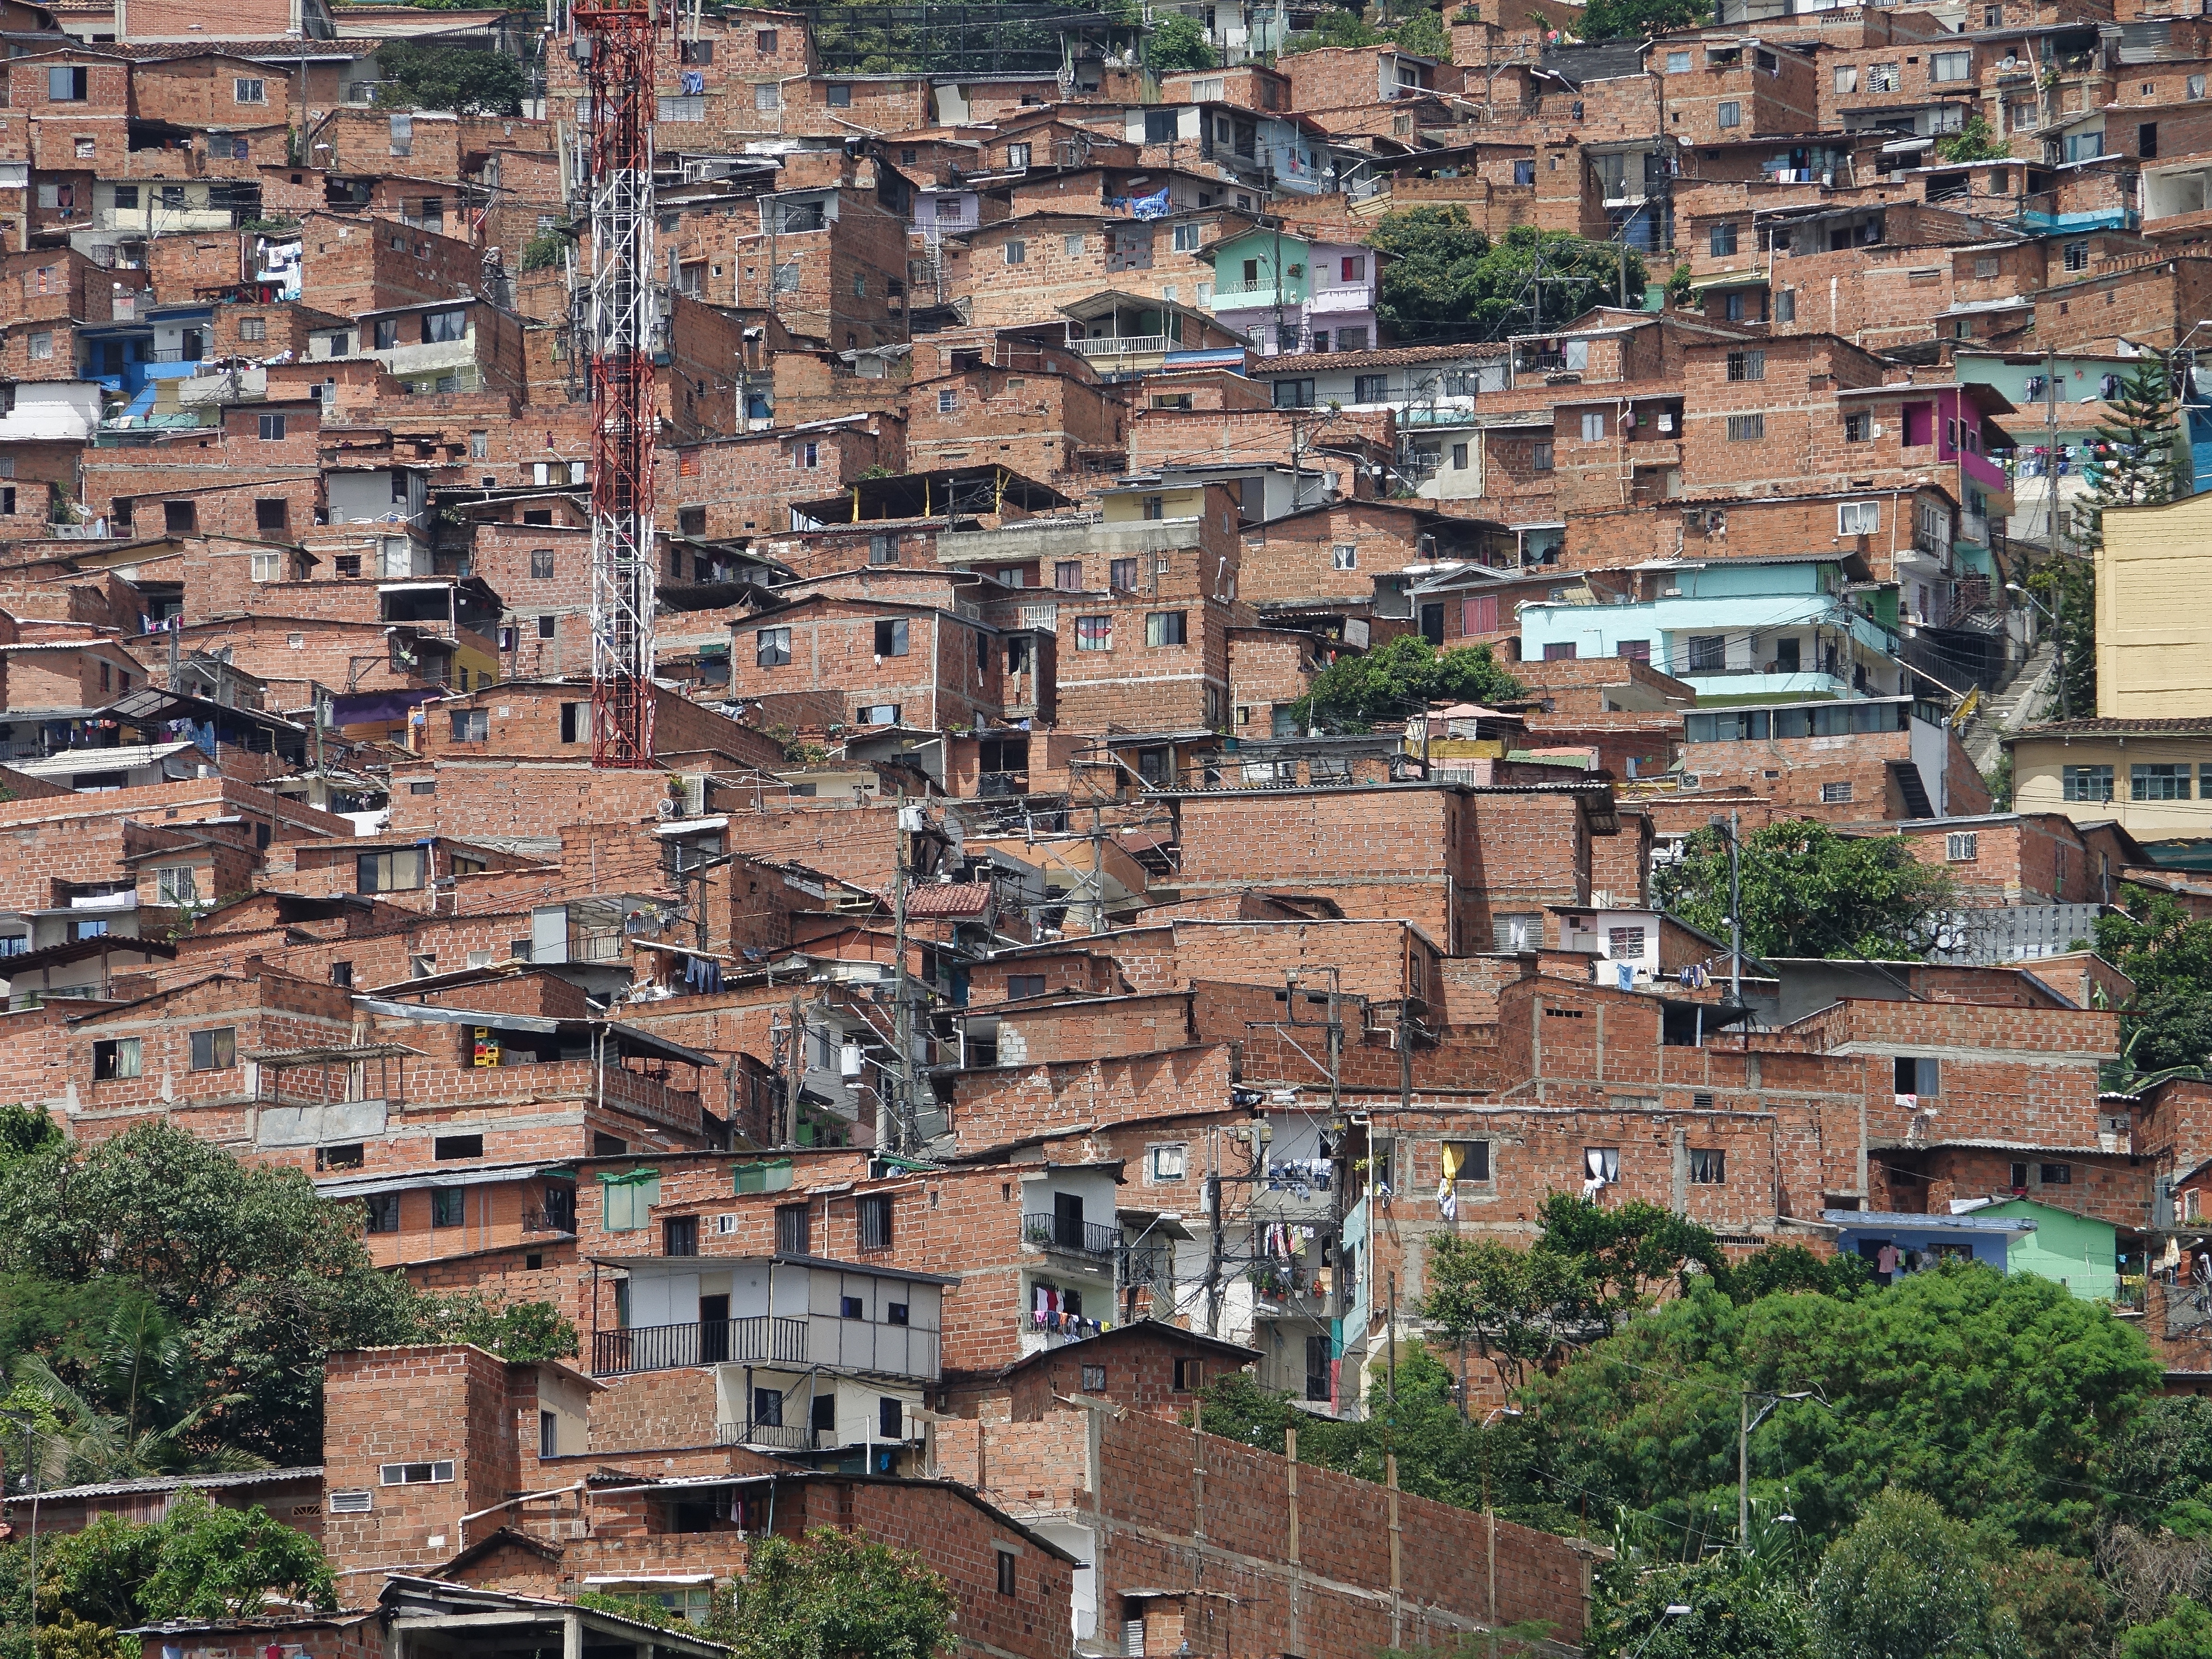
615,43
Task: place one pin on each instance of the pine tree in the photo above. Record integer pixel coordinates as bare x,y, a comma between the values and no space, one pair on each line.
2135,465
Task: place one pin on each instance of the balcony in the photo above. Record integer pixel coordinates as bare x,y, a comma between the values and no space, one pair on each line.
1358,298
997,785
1123,345
759,1340
1090,1239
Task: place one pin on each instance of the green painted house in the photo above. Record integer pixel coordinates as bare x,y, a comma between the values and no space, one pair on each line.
2077,1250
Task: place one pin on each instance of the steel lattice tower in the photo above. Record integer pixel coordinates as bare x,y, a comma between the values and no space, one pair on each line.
616,40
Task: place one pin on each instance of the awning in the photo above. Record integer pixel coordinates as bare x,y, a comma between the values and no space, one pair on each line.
1907,146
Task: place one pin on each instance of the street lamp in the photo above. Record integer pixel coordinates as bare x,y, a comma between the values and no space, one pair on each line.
1674,1610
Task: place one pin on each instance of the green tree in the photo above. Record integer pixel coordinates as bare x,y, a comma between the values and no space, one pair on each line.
1996,1395
1177,42
839,1595
2185,1633
1740,1608
1446,278
1401,679
260,1275
2067,588
462,79
518,1331
1590,1268
199,1561
1972,142
1809,891
1784,1269
2166,1025
1336,25
1422,32
2053,1606
1637,19
2163,1464
2136,463
1903,1584
25,1130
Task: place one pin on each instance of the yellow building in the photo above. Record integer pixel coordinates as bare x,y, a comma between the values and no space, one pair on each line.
2144,758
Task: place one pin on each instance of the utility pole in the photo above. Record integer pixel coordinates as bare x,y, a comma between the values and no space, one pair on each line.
901,1124
794,1073
1743,1472
2051,527
1735,916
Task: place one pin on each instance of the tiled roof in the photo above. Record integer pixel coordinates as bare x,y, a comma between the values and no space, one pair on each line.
2094,727
949,899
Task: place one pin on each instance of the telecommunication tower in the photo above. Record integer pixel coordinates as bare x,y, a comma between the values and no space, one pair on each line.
616,42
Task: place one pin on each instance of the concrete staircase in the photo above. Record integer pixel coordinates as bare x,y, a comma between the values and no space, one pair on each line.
2012,705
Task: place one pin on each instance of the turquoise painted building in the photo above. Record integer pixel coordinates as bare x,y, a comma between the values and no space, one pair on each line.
1741,630
2079,1251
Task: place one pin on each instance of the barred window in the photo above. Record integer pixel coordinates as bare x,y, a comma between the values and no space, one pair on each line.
1745,428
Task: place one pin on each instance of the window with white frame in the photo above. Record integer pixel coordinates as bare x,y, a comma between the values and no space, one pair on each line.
417,1474
1858,517
1167,1161
1961,847
248,89
1949,66
1344,556
176,883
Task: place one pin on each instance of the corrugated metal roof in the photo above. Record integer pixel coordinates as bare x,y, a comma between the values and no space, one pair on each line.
173,1482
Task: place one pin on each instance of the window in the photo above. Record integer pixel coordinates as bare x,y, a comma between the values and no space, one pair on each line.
1343,557
877,713
765,41
215,1050
1539,456
548,1435
1017,252
1593,426
1708,1167
768,1408
383,1212
65,85
417,1474
794,1229
254,328
767,95
1946,66
1858,517
470,725
118,1057
174,885
1068,574
1857,429
891,636
875,1219
1017,157
1883,78
1600,1164
1294,394
1917,1077
1466,1160
1835,794
626,1200
839,96
679,1235
248,89
947,402
1165,627
806,457
2076,256
42,345
1371,388
1708,653
1094,633
1019,986
1560,650
2159,781
272,427
1624,944
1729,113
2196,85
1747,365
398,871
1516,931
1186,239
1122,573
1167,1163
541,564
1524,173
851,1307
1006,1571
1678,63
1847,77
1721,239
1189,1376
2092,783
1961,847
271,513
1459,457
1746,428
883,550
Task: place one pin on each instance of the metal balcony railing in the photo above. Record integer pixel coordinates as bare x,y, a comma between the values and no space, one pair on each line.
713,1342
1052,1232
